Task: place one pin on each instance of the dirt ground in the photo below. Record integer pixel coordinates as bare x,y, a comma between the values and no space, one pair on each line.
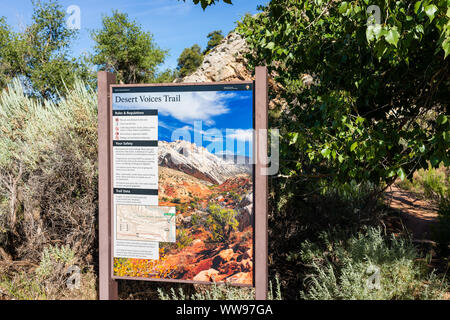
418,215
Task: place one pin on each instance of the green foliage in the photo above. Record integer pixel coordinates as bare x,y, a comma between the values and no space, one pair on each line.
220,292
441,232
190,59
52,256
48,155
40,54
432,183
206,3
48,281
215,38
183,238
5,69
124,48
221,222
176,200
354,95
347,268
197,221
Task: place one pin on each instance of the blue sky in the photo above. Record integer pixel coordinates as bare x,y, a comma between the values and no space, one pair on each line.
175,25
206,118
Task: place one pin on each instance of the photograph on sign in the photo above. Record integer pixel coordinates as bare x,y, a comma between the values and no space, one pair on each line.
182,162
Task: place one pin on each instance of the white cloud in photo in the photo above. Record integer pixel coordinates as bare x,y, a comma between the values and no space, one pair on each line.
240,134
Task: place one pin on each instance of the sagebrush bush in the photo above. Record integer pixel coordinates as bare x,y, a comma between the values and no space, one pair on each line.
431,183
221,222
219,292
49,279
300,209
48,175
54,256
365,266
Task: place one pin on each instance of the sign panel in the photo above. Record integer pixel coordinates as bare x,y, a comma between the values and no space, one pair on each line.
182,171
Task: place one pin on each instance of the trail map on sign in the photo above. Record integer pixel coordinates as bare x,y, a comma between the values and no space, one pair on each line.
149,223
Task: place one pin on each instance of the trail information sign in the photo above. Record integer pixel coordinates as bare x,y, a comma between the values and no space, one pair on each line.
181,193
183,182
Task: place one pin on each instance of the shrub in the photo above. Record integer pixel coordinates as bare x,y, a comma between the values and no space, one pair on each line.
48,176
441,232
183,238
197,221
49,279
350,268
432,183
221,222
54,256
219,292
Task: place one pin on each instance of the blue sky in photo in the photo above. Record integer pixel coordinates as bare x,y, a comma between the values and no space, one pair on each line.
216,116
174,24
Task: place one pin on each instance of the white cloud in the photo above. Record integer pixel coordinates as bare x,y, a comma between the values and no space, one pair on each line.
240,134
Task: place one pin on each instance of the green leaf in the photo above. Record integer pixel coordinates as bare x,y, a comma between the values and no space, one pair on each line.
392,37
446,47
326,153
422,148
370,35
430,11
401,174
270,45
442,119
419,28
294,137
343,7
353,146
417,7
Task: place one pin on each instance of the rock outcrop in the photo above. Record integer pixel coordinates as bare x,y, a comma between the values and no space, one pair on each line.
225,62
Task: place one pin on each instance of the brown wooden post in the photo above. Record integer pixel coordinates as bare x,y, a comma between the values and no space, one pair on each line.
261,183
107,286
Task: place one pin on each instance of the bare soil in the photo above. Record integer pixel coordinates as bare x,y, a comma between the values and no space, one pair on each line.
418,215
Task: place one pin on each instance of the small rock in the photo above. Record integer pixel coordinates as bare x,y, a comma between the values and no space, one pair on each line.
206,275
247,265
227,254
241,278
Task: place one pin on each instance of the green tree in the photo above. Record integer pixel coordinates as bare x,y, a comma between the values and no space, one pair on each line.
40,54
362,102
124,48
190,59
215,38
166,76
5,34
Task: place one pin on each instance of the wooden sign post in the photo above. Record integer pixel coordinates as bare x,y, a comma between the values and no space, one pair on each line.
107,286
261,183
134,106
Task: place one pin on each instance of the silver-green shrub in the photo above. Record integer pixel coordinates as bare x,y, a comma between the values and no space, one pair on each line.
220,292
366,267
48,175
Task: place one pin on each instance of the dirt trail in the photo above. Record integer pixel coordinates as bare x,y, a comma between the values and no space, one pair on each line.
418,215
